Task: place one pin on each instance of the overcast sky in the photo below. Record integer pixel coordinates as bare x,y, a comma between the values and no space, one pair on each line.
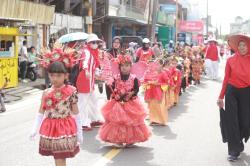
223,12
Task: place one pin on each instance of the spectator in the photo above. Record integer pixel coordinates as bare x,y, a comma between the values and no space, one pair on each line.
23,59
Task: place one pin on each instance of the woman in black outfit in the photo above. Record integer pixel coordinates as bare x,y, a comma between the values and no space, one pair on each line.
235,119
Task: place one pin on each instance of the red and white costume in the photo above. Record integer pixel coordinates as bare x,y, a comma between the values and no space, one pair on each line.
85,86
144,55
212,60
58,131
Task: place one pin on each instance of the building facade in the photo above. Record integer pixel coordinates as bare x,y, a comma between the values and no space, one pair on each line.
239,26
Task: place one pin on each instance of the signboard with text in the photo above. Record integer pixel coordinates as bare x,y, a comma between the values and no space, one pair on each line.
191,26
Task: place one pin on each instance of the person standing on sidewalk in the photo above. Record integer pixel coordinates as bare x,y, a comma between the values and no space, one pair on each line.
23,59
85,84
236,89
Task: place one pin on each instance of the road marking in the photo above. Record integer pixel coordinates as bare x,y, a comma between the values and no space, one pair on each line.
107,157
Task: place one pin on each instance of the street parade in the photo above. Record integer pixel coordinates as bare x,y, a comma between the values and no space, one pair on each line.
138,83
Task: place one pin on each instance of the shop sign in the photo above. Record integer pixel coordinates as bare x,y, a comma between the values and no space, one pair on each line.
191,26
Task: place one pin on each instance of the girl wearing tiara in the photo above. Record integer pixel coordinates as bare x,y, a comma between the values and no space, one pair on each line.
124,114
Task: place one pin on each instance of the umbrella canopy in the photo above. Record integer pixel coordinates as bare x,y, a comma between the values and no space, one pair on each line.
73,37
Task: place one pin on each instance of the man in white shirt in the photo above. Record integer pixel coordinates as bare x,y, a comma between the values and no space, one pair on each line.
23,59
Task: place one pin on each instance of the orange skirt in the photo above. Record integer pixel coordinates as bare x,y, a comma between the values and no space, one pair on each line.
167,99
158,111
171,97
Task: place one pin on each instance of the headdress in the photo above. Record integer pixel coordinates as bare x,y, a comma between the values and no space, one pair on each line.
67,56
122,59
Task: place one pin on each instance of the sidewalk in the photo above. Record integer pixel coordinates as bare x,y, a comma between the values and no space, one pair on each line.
23,90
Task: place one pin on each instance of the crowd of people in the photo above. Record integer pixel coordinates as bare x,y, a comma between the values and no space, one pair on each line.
68,110
69,106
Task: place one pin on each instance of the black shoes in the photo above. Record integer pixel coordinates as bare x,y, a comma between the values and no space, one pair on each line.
233,158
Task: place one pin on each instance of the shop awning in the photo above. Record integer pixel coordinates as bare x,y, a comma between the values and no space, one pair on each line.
124,18
24,10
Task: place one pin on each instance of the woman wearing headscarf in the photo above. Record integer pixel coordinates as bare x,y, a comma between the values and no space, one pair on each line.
236,90
113,52
116,47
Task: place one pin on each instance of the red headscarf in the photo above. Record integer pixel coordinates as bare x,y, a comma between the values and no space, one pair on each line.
95,54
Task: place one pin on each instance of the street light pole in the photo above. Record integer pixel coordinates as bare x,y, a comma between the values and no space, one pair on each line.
176,20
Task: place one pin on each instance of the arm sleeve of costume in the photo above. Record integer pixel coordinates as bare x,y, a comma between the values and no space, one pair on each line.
136,86
86,59
225,81
74,98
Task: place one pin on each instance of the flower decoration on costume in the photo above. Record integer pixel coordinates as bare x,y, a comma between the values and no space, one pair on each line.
55,96
49,102
58,95
122,59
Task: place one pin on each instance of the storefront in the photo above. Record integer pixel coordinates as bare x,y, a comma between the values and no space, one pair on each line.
19,18
9,56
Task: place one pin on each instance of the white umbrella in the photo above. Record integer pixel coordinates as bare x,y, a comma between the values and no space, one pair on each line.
73,37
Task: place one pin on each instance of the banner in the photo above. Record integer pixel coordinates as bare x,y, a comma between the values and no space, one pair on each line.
191,26
168,8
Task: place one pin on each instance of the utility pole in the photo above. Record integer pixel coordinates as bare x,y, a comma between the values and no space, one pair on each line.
66,5
149,14
176,21
154,19
207,21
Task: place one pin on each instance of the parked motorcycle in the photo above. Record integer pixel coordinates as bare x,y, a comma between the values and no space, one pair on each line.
31,71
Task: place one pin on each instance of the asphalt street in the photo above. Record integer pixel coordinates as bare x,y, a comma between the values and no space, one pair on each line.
192,137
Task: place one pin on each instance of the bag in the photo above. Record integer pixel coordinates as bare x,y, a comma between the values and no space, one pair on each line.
223,125
74,74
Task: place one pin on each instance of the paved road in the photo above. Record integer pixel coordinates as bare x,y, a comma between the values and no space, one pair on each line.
192,137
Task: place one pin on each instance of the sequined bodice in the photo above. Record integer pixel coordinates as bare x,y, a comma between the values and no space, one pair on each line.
57,102
123,86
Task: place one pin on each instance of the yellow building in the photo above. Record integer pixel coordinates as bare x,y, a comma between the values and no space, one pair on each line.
9,56
12,14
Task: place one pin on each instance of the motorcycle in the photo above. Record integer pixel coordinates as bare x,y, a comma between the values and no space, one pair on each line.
31,71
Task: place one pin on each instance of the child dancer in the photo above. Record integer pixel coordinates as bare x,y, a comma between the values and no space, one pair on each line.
58,118
196,70
124,114
155,97
177,79
168,82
